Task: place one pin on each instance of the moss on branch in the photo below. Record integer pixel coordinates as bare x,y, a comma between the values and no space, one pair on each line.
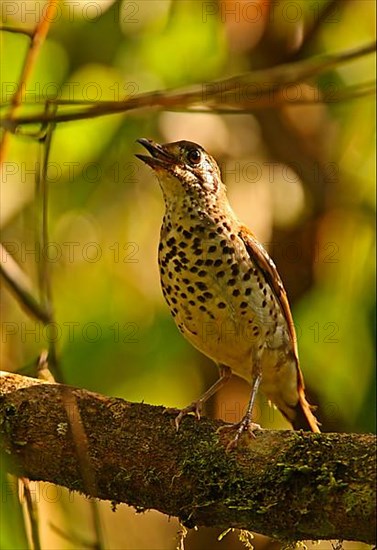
288,485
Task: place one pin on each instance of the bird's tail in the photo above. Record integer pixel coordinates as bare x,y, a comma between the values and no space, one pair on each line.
302,417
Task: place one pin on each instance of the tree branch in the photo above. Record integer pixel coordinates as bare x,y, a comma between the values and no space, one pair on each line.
262,89
288,485
21,286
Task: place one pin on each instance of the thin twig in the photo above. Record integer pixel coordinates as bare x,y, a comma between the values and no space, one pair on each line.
349,94
264,100
317,26
211,94
17,30
37,39
32,512
97,524
42,240
78,432
21,285
77,540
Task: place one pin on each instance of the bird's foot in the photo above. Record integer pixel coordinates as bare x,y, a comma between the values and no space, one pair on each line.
245,425
195,407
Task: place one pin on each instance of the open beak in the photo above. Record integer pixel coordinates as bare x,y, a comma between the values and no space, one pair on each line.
159,158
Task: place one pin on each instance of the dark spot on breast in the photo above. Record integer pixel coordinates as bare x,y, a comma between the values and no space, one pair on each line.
220,274
201,286
243,305
202,273
236,292
235,270
228,250
191,289
186,234
212,248
248,291
217,263
221,305
208,295
199,229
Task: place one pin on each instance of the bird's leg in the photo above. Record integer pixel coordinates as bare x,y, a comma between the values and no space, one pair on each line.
196,406
246,424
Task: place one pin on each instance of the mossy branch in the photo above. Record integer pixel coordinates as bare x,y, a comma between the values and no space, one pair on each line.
288,485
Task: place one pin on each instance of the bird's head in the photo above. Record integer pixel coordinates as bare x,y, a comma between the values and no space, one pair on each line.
184,170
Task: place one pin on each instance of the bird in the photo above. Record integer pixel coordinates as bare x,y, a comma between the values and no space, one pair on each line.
223,289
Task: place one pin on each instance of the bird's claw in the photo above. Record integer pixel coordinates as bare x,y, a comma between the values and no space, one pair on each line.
195,407
245,425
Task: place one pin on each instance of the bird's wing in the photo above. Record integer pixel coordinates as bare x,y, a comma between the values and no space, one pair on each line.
301,415
260,257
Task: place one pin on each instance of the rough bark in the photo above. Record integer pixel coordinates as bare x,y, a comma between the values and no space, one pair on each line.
288,485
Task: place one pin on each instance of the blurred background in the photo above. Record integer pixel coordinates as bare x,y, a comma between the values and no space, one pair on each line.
301,176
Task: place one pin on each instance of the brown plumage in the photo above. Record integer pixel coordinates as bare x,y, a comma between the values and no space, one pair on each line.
221,286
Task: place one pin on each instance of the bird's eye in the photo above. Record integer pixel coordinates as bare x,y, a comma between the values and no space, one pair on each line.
194,156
